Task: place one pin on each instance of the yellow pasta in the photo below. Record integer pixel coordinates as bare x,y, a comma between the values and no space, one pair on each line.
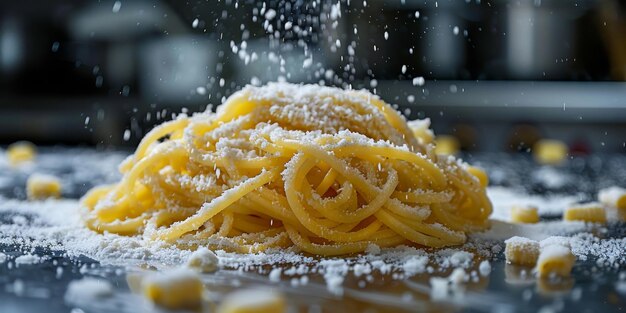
590,212
480,174
555,260
551,152
524,214
20,152
327,170
446,145
177,289
253,301
521,251
39,186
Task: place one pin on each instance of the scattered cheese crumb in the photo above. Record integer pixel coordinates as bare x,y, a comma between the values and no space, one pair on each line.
448,287
203,260
524,214
253,301
27,259
176,289
20,152
88,289
484,268
613,196
372,249
275,275
521,251
415,265
589,212
40,186
555,260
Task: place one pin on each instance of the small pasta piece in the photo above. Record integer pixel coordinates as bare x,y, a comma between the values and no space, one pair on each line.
421,130
521,251
446,145
40,186
20,152
589,212
524,214
548,151
176,289
480,174
203,260
253,301
613,196
555,260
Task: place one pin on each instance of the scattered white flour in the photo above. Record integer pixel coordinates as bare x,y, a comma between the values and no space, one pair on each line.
551,177
484,268
27,259
88,289
3,257
275,275
415,265
448,288
505,198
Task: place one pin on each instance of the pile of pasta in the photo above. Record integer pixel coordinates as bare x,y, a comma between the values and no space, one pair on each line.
327,170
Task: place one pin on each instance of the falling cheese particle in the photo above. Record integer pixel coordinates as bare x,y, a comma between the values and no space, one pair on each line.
40,186
253,301
446,145
521,251
524,214
548,151
480,174
203,260
555,260
589,212
613,196
20,152
176,289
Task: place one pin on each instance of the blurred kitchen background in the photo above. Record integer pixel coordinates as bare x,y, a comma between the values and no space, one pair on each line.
497,75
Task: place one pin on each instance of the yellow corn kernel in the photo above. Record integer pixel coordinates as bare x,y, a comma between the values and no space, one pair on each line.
177,289
590,212
524,214
253,301
39,186
446,145
547,151
555,260
480,174
521,251
613,196
20,152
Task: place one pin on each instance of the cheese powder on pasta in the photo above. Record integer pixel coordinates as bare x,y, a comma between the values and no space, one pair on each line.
330,171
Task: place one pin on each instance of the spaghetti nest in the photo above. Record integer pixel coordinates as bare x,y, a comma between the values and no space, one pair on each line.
327,170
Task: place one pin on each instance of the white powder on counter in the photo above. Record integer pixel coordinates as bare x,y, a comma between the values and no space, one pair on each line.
504,198
56,225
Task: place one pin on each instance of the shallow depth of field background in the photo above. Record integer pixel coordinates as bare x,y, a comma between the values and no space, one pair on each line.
497,75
